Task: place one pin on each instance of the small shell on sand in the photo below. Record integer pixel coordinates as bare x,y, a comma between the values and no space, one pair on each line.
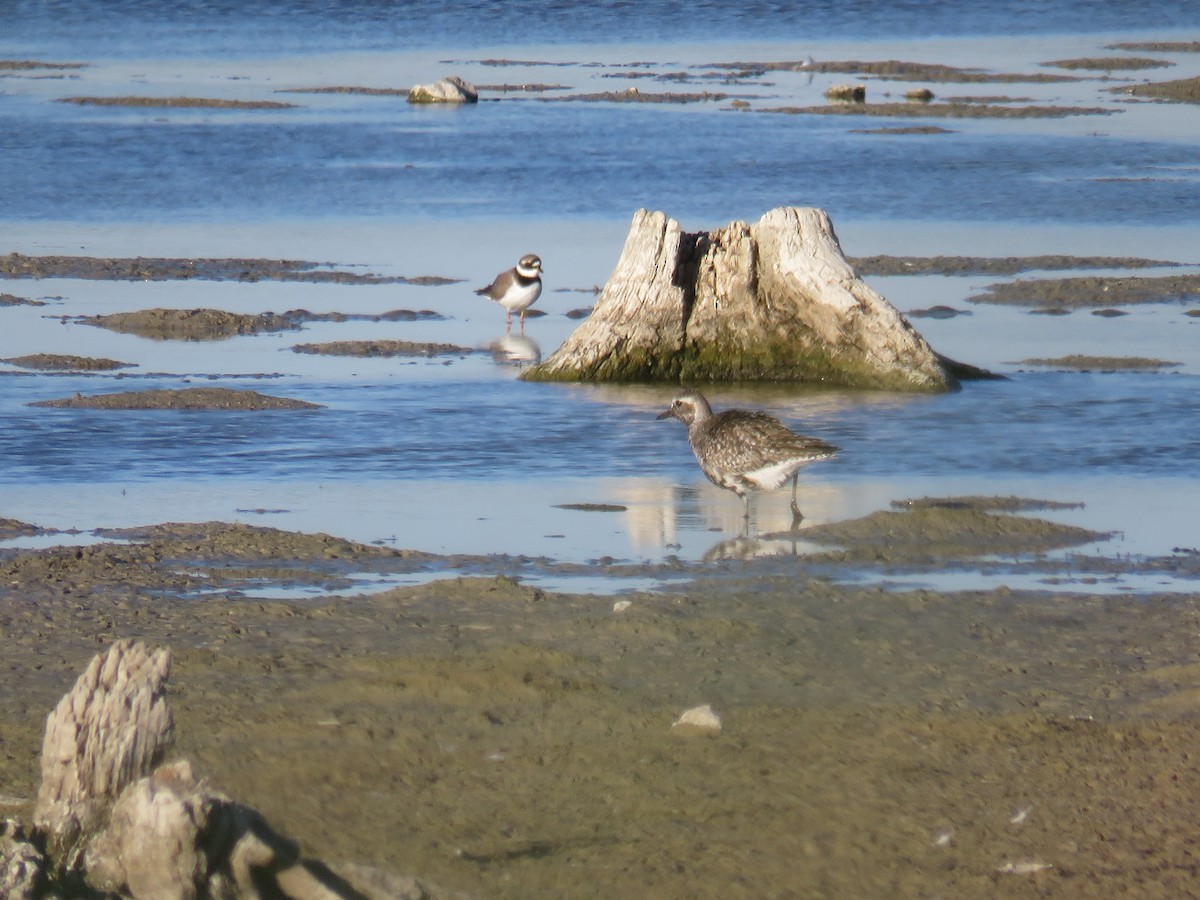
1031,867
700,719
621,605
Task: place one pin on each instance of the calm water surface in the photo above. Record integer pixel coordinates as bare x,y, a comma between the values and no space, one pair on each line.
454,454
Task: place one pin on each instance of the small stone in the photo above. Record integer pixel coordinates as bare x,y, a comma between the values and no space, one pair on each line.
847,93
621,605
444,90
698,720
1027,867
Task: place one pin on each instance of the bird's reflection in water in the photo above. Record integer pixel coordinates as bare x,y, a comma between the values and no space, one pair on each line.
515,350
781,543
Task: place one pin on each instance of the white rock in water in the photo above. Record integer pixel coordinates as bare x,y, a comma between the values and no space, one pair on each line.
700,718
621,605
444,90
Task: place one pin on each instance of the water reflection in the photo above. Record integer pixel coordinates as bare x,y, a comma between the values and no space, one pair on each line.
662,516
515,350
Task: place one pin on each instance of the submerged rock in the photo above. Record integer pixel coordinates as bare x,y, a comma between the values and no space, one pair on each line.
444,90
847,93
772,301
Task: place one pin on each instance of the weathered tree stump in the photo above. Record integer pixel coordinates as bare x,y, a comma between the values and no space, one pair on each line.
111,729
773,301
114,822
22,875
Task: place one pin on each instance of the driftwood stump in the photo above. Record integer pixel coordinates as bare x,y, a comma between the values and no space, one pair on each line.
772,301
111,729
115,822
22,875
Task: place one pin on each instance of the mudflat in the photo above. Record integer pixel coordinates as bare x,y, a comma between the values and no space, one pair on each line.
496,739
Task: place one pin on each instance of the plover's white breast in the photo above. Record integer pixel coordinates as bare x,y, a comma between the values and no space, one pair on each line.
520,296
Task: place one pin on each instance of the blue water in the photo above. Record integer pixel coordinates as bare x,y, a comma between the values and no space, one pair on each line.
462,456
424,430
94,165
87,30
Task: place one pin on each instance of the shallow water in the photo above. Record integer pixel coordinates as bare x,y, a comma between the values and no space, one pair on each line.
454,454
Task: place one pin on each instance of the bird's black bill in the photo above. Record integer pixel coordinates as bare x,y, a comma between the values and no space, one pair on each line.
665,414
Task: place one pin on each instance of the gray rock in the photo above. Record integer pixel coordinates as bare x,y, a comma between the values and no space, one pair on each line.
444,90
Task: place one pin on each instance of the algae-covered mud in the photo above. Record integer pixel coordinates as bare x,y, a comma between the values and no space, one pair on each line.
20,265
495,739
60,362
182,398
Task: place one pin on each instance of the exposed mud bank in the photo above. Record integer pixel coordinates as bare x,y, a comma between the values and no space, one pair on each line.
995,265
1092,291
14,300
503,741
186,398
947,110
896,70
1185,90
57,362
215,324
1110,63
382,348
1081,363
177,102
19,265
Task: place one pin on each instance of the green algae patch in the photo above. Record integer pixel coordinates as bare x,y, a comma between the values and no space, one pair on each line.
782,362
925,534
791,361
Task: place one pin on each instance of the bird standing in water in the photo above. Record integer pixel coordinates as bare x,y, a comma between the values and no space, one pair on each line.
516,289
741,450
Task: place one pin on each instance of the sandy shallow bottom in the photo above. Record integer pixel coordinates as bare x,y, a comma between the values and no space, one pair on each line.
498,740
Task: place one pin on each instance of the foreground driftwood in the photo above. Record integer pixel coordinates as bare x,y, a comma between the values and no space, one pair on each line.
772,301
111,820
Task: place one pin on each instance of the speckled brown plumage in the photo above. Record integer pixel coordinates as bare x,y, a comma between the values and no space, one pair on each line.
740,449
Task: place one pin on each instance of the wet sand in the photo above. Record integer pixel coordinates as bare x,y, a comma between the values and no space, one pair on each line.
499,740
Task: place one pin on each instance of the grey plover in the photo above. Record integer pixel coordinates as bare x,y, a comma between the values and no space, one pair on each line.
516,289
741,449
